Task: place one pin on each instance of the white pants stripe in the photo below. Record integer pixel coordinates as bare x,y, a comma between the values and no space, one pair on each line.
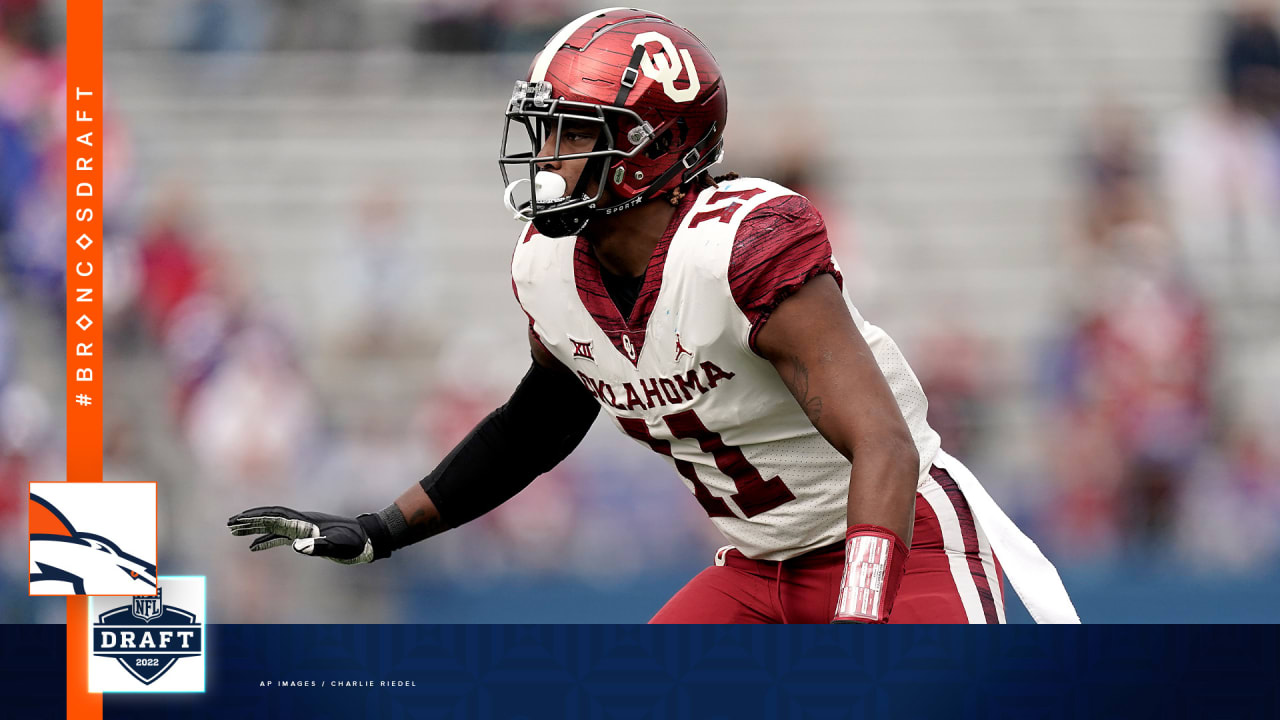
953,543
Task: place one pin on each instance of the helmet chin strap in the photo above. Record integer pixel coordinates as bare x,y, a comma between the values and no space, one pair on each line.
686,165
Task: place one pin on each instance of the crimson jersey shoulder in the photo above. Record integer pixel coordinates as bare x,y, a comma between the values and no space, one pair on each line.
780,245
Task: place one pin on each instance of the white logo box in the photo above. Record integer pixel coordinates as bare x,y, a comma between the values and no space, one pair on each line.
146,644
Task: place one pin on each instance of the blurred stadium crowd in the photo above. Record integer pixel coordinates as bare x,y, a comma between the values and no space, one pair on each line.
307,300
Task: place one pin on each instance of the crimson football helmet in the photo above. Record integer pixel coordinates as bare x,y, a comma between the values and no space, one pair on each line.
652,87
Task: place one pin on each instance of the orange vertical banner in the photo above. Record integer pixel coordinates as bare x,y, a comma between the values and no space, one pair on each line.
84,304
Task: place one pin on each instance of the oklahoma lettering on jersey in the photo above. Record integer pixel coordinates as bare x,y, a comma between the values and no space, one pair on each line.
681,374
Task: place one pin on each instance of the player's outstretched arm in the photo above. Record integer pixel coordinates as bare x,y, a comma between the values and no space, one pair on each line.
544,420
813,342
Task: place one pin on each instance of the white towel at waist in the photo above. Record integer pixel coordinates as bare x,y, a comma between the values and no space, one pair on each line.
1032,575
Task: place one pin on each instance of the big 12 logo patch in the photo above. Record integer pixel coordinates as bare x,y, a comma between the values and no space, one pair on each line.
138,641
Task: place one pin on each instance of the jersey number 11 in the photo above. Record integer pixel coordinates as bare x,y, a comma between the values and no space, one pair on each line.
755,494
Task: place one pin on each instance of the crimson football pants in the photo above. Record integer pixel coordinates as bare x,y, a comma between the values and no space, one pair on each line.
951,576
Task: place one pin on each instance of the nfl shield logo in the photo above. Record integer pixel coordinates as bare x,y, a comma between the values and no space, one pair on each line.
147,609
149,643
147,651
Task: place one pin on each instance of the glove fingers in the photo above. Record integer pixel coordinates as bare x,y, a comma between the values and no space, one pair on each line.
254,527
268,541
280,525
265,519
265,511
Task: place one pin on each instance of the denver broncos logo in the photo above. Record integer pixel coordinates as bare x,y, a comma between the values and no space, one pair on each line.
65,562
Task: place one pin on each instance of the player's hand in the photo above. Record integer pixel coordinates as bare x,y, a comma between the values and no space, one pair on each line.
349,541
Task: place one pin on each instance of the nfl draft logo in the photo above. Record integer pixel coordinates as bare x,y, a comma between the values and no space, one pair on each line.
152,643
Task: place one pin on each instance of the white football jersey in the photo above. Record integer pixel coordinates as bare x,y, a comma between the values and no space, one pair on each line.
681,376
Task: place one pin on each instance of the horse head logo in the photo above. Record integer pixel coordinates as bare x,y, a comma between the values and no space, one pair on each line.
67,562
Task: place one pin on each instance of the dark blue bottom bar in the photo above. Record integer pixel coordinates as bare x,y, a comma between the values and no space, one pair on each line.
695,673
33,671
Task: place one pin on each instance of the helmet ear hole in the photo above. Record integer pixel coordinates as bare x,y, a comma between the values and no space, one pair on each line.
659,147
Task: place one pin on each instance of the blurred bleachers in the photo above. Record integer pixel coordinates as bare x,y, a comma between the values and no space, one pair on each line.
944,127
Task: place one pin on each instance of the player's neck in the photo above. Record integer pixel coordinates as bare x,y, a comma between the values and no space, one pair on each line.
624,242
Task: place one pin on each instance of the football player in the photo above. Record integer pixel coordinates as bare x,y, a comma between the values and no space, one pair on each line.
709,320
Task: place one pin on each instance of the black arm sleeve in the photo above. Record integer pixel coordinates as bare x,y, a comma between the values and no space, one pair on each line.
547,416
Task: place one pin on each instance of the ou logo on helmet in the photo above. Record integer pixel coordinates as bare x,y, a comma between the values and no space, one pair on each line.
666,67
